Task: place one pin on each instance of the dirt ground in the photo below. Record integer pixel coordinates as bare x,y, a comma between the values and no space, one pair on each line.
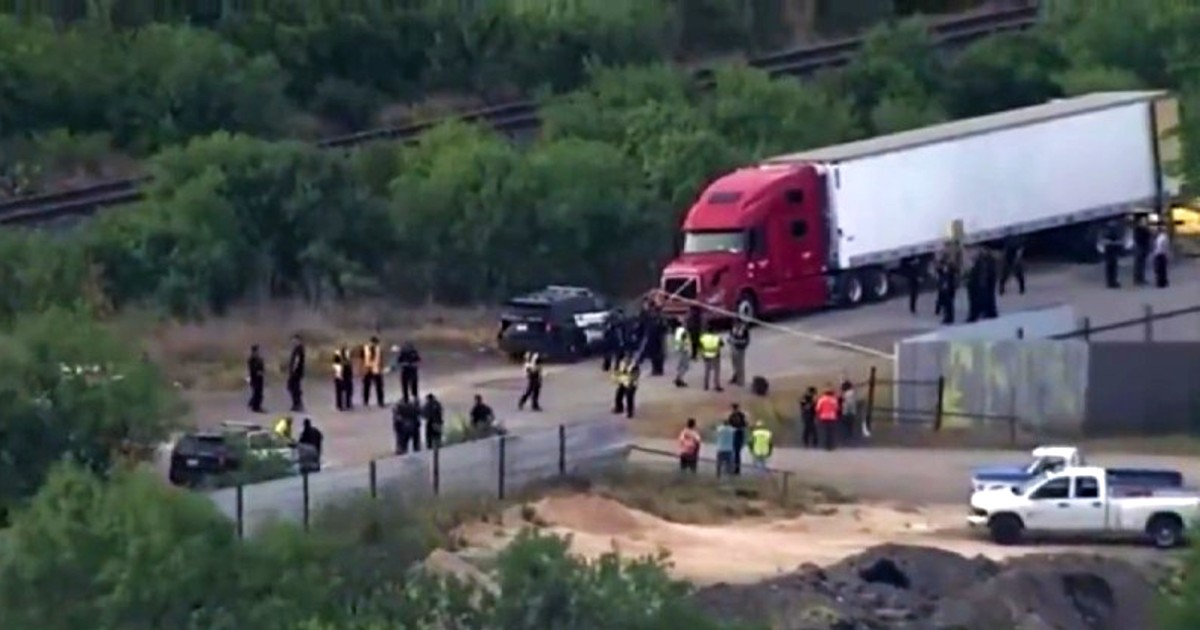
747,549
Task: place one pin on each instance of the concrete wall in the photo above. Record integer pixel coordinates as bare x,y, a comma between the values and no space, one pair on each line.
1032,324
1138,388
1042,383
469,469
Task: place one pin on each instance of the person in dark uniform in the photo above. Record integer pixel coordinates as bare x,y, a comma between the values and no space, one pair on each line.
808,418
481,414
533,382
434,421
347,379
910,270
737,420
614,340
695,328
295,378
974,285
656,337
633,338
256,377
989,278
408,362
406,426
1014,264
1143,240
1113,244
947,287
311,436
339,381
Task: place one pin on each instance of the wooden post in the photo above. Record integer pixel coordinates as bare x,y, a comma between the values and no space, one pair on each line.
373,475
871,396
437,469
562,450
307,506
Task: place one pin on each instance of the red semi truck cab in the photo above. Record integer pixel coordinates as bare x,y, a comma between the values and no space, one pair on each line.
755,241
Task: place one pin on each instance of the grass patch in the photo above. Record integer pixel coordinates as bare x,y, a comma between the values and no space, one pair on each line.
706,500
211,354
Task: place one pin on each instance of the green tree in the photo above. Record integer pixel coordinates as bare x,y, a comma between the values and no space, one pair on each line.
70,391
1003,72
897,62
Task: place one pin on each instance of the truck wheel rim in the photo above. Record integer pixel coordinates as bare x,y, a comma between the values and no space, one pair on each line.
855,292
881,286
1165,537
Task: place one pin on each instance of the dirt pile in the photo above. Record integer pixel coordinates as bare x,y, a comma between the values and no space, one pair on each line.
898,587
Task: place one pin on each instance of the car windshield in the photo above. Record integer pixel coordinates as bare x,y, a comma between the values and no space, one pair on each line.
1044,465
1024,488
733,241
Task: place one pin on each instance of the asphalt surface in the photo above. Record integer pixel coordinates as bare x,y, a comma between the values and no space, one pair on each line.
581,392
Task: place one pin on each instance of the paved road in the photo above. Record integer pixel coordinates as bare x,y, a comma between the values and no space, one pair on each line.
916,476
581,392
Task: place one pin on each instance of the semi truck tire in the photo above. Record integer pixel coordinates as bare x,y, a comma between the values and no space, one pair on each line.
746,306
850,290
877,284
1006,529
1165,530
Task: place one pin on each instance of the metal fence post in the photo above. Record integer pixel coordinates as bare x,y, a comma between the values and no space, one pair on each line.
306,501
239,506
1020,332
373,475
500,473
1085,326
437,470
870,412
562,449
941,399
1148,322
1012,415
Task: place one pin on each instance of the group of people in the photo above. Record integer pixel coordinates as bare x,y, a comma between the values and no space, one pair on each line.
366,360
1151,247
409,417
984,279
310,436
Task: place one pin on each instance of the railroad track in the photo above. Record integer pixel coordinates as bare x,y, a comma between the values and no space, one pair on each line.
522,116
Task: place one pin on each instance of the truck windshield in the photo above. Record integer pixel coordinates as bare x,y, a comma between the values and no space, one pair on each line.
733,241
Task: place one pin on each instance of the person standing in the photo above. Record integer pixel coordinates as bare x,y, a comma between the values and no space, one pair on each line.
689,447
347,379
533,382
656,337
761,445
434,422
372,372
1014,264
408,361
725,433
683,354
975,287
627,387
737,420
695,329
739,342
710,351
808,418
1113,244
989,277
1161,255
295,378
312,437
339,381
256,377
947,287
848,405
910,269
1143,241
614,340
828,414
406,424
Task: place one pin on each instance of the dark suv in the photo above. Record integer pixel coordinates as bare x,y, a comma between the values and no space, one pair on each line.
558,322
202,458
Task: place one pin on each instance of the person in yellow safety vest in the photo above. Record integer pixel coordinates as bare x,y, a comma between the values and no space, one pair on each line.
372,372
283,428
710,351
683,350
533,382
761,445
626,377
339,381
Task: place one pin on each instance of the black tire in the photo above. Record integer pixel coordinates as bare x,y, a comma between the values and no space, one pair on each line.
877,284
746,306
1165,530
850,290
1006,529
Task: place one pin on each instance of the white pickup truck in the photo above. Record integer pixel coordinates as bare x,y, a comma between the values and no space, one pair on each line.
1085,501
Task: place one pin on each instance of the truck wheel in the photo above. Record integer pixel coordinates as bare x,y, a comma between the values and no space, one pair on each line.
878,284
1166,530
747,306
850,290
1006,529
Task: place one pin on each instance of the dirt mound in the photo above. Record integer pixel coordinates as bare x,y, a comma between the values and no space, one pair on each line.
589,514
909,588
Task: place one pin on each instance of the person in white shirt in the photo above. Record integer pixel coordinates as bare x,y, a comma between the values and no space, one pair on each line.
1160,254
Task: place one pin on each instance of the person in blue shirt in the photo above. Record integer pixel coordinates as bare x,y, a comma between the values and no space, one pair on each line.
725,440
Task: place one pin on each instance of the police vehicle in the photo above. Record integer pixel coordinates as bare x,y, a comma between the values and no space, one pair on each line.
559,322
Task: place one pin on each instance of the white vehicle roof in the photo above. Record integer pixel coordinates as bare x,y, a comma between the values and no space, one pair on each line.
1078,471
1065,452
